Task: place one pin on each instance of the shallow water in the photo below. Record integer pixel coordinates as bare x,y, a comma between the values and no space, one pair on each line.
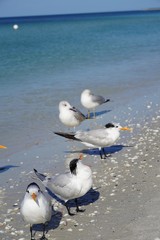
44,62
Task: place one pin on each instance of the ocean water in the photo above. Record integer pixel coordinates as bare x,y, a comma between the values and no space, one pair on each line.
49,59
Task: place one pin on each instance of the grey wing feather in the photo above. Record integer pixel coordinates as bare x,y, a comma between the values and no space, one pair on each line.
78,115
98,99
62,185
93,136
61,180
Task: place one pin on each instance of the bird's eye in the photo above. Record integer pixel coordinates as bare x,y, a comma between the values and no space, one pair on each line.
116,126
27,191
39,190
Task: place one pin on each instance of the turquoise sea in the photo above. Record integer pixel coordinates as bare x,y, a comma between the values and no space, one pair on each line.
53,58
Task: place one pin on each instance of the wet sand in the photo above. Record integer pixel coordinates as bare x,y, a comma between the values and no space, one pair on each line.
124,201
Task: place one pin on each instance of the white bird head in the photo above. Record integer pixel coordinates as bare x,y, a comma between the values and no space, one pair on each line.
87,92
33,191
64,105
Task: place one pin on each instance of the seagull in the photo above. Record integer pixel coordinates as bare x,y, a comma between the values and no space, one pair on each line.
98,138
70,185
36,208
91,101
69,115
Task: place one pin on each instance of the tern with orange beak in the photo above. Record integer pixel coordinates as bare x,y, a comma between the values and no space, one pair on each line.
70,185
36,208
98,138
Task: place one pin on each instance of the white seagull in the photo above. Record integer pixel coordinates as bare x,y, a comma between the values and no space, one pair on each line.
70,185
98,138
69,115
91,101
36,208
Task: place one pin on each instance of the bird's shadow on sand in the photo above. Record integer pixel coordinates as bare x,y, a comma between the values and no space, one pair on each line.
6,168
95,151
90,197
108,150
53,223
92,115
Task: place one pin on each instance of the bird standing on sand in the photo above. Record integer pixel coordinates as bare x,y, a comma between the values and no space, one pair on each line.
70,185
98,138
91,101
36,208
69,115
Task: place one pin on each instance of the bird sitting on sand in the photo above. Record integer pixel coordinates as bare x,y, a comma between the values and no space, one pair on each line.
98,138
91,101
70,185
69,115
36,208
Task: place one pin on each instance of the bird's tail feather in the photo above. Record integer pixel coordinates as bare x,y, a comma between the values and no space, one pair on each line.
41,176
67,135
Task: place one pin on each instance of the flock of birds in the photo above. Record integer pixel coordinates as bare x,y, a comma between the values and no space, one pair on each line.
36,208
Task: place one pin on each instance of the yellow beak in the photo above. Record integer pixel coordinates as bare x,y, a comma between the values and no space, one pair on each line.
3,147
126,129
34,196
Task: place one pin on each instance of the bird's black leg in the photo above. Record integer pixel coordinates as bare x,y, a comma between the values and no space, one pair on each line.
77,207
101,153
68,210
105,154
32,237
44,230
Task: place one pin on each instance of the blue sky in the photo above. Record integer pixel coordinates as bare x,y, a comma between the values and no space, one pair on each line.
10,8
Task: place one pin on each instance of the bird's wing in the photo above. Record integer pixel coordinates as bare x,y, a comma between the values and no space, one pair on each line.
61,180
98,99
64,186
96,137
45,201
78,115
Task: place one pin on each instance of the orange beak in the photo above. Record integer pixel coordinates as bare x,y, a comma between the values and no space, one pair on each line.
81,156
3,147
126,128
34,196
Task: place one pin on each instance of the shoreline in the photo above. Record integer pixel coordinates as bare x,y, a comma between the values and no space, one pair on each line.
122,205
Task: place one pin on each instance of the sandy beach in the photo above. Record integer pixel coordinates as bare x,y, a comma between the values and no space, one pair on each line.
44,62
124,200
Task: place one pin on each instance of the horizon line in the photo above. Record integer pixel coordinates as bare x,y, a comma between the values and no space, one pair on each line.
83,13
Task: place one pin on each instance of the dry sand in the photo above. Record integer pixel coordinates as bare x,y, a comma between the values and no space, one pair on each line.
123,204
